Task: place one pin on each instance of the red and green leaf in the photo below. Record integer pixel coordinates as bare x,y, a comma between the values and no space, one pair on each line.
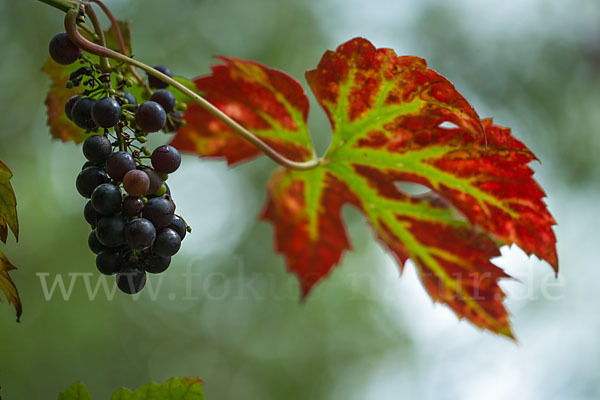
7,286
266,101
389,116
8,205
8,220
61,127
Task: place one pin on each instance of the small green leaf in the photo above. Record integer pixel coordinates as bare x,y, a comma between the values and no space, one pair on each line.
122,394
77,391
173,389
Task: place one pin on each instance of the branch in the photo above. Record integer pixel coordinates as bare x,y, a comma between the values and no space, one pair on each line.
104,64
122,47
90,47
63,5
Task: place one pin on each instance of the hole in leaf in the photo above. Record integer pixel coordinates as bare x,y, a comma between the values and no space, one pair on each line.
448,125
413,189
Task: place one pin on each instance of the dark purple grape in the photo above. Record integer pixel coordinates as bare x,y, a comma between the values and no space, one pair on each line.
132,206
150,117
90,215
165,159
131,279
106,112
159,211
140,234
94,244
155,264
179,226
118,164
97,148
69,105
165,98
88,164
111,231
136,182
106,199
89,179
108,261
157,83
63,50
129,98
81,113
167,243
156,180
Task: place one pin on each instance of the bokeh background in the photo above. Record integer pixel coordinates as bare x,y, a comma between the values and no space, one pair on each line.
365,333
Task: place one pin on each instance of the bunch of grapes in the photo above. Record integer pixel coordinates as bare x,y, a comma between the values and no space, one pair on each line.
131,211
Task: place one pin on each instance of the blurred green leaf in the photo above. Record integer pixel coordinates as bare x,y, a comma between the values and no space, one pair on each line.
175,388
77,391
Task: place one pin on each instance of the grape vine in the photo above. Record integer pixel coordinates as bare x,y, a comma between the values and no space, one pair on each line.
136,231
387,114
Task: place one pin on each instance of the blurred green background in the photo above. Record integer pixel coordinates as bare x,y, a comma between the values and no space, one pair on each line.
365,333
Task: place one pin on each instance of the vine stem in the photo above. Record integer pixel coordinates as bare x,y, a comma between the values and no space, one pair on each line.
72,11
122,47
63,5
88,30
104,64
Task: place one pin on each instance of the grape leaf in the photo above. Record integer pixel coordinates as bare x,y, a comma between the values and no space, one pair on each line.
8,205
8,219
175,388
268,102
60,126
394,120
7,286
76,391
111,37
